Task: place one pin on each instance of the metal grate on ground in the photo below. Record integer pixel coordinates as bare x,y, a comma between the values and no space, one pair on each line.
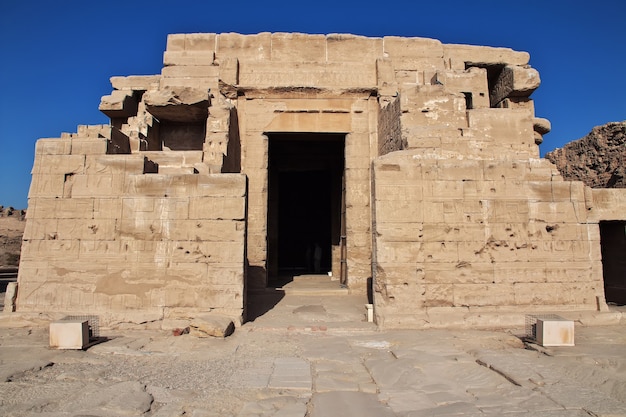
93,322
531,323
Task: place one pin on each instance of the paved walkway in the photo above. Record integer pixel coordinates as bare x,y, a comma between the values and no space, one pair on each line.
313,355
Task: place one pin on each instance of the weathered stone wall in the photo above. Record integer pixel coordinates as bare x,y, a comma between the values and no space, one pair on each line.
463,237
458,220
103,237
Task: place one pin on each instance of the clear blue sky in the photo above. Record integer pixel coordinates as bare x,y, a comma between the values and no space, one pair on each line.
56,57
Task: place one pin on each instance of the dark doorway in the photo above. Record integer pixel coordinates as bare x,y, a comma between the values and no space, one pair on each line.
304,207
304,220
613,245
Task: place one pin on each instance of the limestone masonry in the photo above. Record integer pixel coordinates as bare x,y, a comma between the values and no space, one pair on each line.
404,167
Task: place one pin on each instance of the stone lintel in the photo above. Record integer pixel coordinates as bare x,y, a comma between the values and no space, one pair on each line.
304,92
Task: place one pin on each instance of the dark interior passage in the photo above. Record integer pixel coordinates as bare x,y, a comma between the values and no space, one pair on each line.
305,186
613,243
304,211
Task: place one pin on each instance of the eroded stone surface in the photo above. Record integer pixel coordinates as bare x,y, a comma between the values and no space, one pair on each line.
442,208
280,371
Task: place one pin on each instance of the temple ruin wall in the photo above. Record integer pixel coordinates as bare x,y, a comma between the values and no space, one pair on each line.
450,215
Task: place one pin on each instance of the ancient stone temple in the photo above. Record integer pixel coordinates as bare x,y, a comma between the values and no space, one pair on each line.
403,167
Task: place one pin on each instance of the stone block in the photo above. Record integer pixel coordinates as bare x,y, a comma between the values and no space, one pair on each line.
69,334
343,75
399,252
483,295
53,147
174,159
175,42
217,208
541,294
514,81
151,208
443,190
399,48
136,82
511,272
405,192
190,71
156,185
461,213
439,295
608,204
175,58
61,208
432,212
94,185
199,41
344,47
556,212
107,208
114,164
460,273
198,83
464,170
89,146
447,252
462,56
503,127
89,229
245,47
201,230
45,250
449,232
310,122
472,81
103,251
212,325
119,104
298,47
59,164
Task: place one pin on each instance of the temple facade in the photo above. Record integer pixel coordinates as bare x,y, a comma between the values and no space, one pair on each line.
404,168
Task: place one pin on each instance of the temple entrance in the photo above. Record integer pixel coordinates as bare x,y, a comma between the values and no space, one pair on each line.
305,204
613,245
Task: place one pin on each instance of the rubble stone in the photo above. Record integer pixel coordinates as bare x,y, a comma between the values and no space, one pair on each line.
211,325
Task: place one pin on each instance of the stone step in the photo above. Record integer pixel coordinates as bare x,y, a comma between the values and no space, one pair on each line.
311,284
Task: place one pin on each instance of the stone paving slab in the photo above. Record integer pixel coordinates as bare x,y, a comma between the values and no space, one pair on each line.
291,373
348,404
270,370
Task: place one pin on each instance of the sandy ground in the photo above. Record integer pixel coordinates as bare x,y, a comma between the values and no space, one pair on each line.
312,356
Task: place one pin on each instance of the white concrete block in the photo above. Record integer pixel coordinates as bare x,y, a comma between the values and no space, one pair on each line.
69,334
555,332
370,312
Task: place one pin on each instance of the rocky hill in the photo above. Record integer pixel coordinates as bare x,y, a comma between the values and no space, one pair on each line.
598,159
12,224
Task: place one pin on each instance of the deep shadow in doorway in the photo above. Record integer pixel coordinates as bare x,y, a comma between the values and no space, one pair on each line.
304,203
613,245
